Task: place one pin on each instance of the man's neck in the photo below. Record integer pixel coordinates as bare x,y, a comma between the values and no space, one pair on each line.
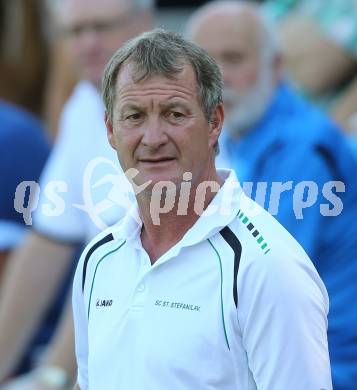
158,239
161,231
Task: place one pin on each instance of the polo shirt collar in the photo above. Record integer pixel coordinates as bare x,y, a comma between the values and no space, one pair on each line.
220,212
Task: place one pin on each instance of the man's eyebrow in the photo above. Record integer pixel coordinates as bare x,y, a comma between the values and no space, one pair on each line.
173,103
131,106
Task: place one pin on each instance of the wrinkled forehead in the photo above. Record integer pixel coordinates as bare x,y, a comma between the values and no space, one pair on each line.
157,87
132,76
73,12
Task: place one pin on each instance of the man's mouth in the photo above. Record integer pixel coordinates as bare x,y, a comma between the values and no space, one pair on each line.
156,160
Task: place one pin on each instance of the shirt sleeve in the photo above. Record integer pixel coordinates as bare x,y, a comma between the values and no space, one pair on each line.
80,328
282,312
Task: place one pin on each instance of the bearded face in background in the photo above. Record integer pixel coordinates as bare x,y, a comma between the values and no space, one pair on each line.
245,108
247,54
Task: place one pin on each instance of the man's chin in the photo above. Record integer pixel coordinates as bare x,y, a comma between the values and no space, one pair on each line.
239,125
240,121
156,185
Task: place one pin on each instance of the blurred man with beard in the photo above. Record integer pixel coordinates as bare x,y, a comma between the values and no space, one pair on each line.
95,30
252,69
292,156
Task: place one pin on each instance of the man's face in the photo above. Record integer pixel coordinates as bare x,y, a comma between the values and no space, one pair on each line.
234,45
233,41
159,128
95,30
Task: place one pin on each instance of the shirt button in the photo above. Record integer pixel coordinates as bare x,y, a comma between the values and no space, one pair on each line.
141,287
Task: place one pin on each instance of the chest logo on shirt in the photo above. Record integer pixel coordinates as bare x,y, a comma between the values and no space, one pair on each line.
104,302
177,305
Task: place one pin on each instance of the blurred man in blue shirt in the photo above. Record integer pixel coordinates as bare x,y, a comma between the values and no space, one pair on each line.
24,149
291,158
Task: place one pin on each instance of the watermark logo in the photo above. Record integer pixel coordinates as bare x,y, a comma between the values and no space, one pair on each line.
108,194
118,199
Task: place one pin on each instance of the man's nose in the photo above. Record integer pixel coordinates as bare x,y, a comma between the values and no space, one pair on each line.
88,38
154,133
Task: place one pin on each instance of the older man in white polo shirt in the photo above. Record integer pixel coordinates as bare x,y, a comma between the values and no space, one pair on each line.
198,288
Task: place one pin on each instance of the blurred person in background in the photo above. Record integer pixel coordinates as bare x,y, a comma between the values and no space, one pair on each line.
62,77
353,134
24,149
21,135
94,29
319,41
35,68
23,53
273,136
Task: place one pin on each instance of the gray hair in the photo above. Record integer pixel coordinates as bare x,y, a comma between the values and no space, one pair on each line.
161,52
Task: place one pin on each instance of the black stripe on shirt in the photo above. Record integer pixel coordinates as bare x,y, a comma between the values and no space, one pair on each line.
103,241
235,244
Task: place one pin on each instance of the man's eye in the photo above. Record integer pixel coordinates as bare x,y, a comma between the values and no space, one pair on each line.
176,115
232,58
134,117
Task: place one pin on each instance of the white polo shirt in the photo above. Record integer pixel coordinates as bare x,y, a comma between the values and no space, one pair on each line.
236,304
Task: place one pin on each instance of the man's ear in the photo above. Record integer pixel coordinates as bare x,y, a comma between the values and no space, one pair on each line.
110,134
216,124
